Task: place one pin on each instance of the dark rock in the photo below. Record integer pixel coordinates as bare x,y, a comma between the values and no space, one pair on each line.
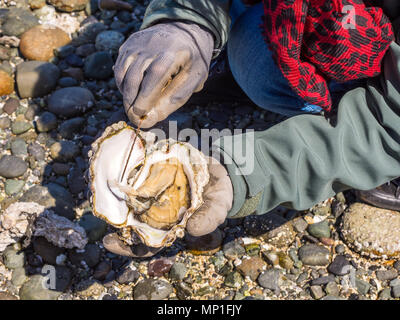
69,102
91,255
178,271
101,271
159,267
36,78
67,82
74,60
314,255
95,228
47,250
98,65
46,122
152,289
12,166
64,151
71,127
85,50
207,244
339,266
76,181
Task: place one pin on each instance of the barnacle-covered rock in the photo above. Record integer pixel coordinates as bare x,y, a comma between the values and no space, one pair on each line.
151,189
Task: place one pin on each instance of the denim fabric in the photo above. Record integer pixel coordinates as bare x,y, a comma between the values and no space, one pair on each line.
255,71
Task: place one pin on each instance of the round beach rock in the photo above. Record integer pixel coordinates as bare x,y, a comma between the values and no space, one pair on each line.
36,78
71,101
6,83
12,166
372,231
39,42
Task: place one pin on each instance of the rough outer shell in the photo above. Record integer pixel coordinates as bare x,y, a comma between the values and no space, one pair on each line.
107,159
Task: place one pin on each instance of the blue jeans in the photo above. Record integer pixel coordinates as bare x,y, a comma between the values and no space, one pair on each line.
255,71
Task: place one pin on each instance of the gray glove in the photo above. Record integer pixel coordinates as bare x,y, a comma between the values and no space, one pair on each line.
160,67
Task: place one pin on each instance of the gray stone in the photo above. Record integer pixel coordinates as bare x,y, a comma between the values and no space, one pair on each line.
98,65
396,292
37,151
316,292
36,78
5,123
91,255
70,102
152,289
18,21
19,277
46,122
35,289
95,228
52,196
13,258
314,255
395,282
109,41
127,276
178,271
269,279
19,147
12,187
12,166
320,229
332,289
322,280
20,127
233,249
64,51
300,225
339,266
101,271
70,127
384,275
385,294
67,82
362,286
64,151
47,250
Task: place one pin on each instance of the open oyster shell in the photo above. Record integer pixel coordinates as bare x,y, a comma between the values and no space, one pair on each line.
130,191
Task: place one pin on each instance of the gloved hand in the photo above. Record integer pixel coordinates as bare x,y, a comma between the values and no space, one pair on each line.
160,67
217,196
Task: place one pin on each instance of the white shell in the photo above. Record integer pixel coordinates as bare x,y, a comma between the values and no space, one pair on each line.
107,161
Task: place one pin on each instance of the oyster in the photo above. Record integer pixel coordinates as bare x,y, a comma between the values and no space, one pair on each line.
151,188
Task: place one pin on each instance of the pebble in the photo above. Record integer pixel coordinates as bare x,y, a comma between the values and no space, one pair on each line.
19,276
69,5
396,292
12,167
20,127
37,151
98,66
269,279
10,105
91,255
5,123
19,147
300,225
152,289
12,187
339,249
90,288
76,181
320,229
70,102
71,127
159,267
273,228
332,289
340,266
18,20
233,280
316,292
183,291
127,276
46,122
6,83
33,289
362,286
109,41
64,151
323,280
372,231
233,249
64,51
52,196
314,255
95,228
85,50
385,294
251,267
178,271
13,258
47,250
74,60
39,42
101,271
384,275
67,82
36,78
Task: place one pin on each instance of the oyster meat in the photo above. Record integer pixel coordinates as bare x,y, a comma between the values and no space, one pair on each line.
150,188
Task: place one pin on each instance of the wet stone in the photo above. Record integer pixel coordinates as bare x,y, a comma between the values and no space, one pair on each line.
320,229
152,289
60,168
314,255
159,267
204,245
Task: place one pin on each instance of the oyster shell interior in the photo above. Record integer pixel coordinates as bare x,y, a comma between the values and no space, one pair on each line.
159,190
